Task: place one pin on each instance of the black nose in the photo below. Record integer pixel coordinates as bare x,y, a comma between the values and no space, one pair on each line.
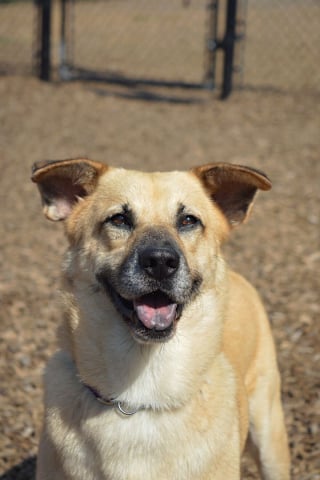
159,262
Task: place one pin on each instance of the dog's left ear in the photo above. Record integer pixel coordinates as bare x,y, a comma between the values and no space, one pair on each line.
232,188
62,183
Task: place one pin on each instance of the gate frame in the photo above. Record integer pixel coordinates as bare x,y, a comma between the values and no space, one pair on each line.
213,44
43,41
228,46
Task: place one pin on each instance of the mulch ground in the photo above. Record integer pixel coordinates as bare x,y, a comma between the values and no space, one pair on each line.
278,250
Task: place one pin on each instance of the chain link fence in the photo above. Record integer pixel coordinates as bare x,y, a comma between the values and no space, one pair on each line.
18,25
168,40
163,40
282,46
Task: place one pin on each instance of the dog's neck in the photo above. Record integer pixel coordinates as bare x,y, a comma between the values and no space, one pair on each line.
126,410
113,364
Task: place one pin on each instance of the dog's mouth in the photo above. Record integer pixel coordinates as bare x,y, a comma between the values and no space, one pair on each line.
151,317
155,310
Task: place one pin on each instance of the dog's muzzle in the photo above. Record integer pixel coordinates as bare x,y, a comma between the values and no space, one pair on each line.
151,289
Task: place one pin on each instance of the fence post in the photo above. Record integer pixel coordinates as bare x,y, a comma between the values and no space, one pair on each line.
45,33
228,44
212,44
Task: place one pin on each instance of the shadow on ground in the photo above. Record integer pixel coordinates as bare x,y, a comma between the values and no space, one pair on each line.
25,470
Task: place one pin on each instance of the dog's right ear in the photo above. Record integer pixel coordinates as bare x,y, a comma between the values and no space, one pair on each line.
232,188
62,183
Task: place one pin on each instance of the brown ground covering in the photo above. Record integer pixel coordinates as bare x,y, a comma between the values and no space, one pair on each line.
278,250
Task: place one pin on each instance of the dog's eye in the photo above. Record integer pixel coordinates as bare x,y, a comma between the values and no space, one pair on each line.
188,221
119,220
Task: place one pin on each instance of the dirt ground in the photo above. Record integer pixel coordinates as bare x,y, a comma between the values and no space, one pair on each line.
278,250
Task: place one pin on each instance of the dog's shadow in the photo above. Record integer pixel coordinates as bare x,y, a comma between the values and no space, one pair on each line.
26,470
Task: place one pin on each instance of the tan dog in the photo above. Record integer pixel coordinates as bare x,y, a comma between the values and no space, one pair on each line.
166,356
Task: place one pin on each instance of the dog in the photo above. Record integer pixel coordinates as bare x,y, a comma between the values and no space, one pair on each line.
166,357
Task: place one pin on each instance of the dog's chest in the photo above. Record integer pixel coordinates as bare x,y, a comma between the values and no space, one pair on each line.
128,447
114,447
96,442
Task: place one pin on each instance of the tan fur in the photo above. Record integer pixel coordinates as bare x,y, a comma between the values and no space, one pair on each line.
196,393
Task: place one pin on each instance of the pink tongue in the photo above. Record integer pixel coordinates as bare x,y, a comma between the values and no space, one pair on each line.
154,311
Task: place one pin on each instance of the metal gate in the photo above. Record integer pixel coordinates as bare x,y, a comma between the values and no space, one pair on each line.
172,43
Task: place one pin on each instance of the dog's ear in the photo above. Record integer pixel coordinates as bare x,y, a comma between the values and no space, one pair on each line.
62,183
232,188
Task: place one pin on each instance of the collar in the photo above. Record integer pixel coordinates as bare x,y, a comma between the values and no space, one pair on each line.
120,406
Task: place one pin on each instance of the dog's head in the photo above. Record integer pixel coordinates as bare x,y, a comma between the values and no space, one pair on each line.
149,241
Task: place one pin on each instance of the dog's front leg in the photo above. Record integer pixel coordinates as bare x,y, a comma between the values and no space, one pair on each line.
227,464
228,470
267,431
47,463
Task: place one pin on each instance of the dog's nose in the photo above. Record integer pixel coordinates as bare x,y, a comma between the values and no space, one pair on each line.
159,262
